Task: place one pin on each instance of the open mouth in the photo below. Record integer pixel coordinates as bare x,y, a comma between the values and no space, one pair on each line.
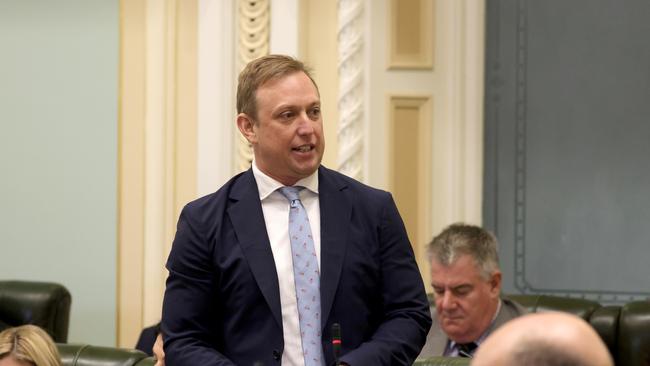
304,148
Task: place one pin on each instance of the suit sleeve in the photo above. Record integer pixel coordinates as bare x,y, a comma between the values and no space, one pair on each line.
406,317
187,323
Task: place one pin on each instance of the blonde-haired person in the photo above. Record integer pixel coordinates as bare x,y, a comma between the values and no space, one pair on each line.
27,345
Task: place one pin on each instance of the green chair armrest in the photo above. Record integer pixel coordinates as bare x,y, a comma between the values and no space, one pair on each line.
442,361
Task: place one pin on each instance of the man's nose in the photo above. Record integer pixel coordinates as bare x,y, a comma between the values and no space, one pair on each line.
305,124
448,300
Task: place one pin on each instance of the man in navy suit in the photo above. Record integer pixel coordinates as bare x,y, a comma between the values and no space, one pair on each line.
231,295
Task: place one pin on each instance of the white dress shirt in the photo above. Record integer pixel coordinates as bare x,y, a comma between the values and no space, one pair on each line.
276,217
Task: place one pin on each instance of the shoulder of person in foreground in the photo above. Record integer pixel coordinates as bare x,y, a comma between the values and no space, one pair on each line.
544,339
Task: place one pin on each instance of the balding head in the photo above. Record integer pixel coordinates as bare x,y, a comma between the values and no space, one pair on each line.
544,339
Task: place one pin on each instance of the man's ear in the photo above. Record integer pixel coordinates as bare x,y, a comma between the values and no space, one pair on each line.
495,283
245,125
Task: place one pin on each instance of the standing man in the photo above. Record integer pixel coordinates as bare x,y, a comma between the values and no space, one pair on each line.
466,282
260,270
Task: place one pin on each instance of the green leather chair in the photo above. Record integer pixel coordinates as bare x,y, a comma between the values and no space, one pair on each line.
633,336
44,304
538,303
86,355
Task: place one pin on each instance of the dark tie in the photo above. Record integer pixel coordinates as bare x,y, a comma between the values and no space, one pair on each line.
306,277
467,349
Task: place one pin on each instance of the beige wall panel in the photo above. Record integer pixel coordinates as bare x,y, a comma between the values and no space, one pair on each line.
158,122
185,162
407,27
458,133
319,49
411,34
131,162
159,137
456,81
409,149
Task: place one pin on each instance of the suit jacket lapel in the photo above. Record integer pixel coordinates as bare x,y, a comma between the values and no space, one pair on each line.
335,213
245,212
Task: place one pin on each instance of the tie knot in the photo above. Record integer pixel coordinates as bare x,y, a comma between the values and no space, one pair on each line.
291,193
467,349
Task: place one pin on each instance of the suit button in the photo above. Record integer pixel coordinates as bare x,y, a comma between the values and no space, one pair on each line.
277,355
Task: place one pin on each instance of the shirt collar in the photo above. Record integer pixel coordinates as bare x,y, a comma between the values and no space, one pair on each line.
267,185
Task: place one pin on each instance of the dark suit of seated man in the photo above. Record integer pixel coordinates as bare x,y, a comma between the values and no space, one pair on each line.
238,274
466,284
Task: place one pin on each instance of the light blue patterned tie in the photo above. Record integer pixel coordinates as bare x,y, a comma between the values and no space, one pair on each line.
306,277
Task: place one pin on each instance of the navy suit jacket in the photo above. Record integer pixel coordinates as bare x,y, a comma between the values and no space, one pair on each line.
222,301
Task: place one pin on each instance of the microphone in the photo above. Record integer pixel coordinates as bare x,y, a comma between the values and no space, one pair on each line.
336,342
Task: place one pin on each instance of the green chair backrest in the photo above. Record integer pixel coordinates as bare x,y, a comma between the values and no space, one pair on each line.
86,355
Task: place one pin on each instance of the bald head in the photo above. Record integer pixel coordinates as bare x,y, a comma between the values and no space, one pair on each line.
543,339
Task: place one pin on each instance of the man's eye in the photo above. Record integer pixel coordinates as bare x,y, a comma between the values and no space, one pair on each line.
315,112
286,115
438,291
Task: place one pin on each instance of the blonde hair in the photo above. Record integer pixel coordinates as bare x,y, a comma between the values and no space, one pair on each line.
29,343
258,72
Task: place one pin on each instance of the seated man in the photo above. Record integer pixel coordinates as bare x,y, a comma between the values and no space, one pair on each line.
544,339
466,283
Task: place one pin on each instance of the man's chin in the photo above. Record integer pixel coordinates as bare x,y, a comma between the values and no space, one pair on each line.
459,337
454,331
306,168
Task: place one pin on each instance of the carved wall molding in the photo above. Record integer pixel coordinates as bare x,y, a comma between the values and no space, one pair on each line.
351,91
254,27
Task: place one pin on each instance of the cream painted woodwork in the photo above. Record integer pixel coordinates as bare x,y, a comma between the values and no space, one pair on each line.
217,76
131,162
318,49
411,34
157,152
284,33
454,133
409,165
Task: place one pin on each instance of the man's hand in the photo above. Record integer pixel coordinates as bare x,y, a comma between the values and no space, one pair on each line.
158,351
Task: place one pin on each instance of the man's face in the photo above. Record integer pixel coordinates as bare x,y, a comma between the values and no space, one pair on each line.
287,135
465,301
